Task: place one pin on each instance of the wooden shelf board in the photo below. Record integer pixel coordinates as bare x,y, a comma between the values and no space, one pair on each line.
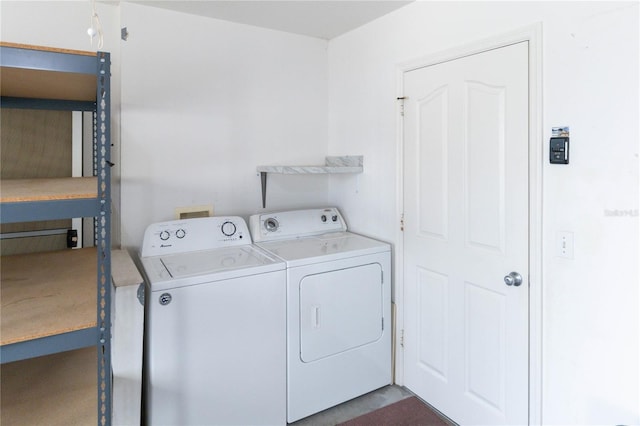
59,389
45,294
24,82
22,190
47,48
38,84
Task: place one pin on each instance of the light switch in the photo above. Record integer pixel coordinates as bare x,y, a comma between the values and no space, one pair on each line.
564,244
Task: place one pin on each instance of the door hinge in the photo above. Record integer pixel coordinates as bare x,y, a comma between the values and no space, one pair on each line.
401,99
382,323
402,222
402,338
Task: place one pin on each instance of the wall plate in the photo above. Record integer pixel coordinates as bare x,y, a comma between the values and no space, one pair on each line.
191,212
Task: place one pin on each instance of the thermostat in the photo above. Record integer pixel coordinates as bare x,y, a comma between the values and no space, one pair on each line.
559,150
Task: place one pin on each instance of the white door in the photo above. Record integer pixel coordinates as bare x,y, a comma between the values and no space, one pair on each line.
466,228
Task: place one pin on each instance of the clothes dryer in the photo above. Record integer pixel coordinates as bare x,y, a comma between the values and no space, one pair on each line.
215,345
338,307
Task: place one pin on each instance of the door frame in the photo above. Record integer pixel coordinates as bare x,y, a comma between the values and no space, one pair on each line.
533,35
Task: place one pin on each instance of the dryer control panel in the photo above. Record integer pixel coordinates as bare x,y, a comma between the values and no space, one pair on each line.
180,236
296,223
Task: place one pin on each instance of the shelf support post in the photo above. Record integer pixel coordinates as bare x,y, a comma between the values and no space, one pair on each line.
102,144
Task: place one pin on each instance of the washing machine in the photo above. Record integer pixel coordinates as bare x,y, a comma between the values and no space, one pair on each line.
215,341
338,307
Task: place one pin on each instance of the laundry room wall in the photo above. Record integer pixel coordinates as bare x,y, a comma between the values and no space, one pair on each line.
590,335
204,102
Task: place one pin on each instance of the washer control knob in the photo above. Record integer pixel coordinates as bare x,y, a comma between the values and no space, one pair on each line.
334,218
271,224
323,218
180,233
228,228
164,235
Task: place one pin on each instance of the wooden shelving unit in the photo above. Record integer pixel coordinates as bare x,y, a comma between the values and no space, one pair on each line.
55,318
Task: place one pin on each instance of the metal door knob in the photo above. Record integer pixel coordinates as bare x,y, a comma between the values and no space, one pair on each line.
514,279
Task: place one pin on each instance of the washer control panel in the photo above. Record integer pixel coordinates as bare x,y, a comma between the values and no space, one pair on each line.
179,236
295,223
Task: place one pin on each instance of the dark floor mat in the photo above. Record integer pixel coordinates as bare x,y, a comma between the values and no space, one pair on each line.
407,412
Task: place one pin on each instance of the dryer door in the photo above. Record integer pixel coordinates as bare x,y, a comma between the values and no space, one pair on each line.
340,310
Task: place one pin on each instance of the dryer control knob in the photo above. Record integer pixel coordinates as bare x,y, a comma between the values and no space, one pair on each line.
334,218
271,224
180,233
164,235
323,218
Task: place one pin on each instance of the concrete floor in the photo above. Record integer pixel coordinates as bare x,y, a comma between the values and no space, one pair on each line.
356,407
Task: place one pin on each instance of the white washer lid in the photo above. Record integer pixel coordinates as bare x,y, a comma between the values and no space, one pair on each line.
323,248
183,269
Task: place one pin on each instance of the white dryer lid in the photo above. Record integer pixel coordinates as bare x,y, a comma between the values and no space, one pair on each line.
182,269
323,248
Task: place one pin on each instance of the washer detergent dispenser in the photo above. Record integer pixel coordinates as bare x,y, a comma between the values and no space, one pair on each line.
215,331
338,307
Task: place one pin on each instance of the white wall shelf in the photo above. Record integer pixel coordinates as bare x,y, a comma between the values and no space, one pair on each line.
332,165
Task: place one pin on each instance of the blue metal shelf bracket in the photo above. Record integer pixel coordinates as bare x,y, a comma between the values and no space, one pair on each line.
47,210
16,57
46,104
51,344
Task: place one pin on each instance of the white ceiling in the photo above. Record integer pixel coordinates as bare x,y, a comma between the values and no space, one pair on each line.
316,18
